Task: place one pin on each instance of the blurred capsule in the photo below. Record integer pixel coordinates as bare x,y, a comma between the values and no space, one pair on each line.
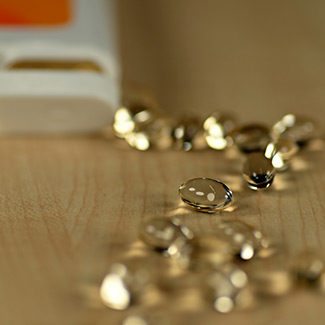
216,129
135,320
138,140
246,241
307,267
148,318
113,291
155,134
228,289
123,122
185,132
280,152
128,118
321,283
270,277
251,137
123,282
206,252
299,128
161,233
130,280
258,171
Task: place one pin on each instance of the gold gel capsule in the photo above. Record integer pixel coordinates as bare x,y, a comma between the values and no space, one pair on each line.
152,134
244,238
308,267
280,152
135,320
184,134
206,252
258,171
161,233
123,283
127,118
113,291
251,137
299,128
228,289
216,129
206,194
270,277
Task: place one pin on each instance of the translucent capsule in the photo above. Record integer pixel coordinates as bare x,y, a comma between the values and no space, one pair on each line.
113,290
299,128
251,137
161,233
308,267
206,251
216,128
228,289
138,140
258,171
244,238
185,133
127,118
135,320
146,318
270,277
122,284
154,134
206,194
280,152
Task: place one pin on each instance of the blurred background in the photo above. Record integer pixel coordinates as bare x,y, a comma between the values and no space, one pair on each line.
260,59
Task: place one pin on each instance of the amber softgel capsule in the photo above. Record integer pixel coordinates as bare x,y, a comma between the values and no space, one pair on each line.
251,137
206,194
185,133
124,283
270,277
307,267
161,233
301,129
128,117
228,289
246,241
258,171
281,151
216,129
205,252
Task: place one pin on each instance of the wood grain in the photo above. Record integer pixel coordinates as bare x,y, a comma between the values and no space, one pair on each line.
69,206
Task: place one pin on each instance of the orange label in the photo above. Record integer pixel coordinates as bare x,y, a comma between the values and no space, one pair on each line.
34,12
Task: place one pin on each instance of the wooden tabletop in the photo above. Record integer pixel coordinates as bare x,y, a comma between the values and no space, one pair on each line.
70,206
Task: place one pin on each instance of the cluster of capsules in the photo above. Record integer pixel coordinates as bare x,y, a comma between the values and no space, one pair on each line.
267,149
232,267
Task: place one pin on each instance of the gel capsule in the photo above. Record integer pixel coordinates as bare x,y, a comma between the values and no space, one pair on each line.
251,137
124,282
299,128
152,134
228,288
270,277
216,128
127,118
185,133
206,252
206,194
244,238
280,152
258,171
161,233
308,267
